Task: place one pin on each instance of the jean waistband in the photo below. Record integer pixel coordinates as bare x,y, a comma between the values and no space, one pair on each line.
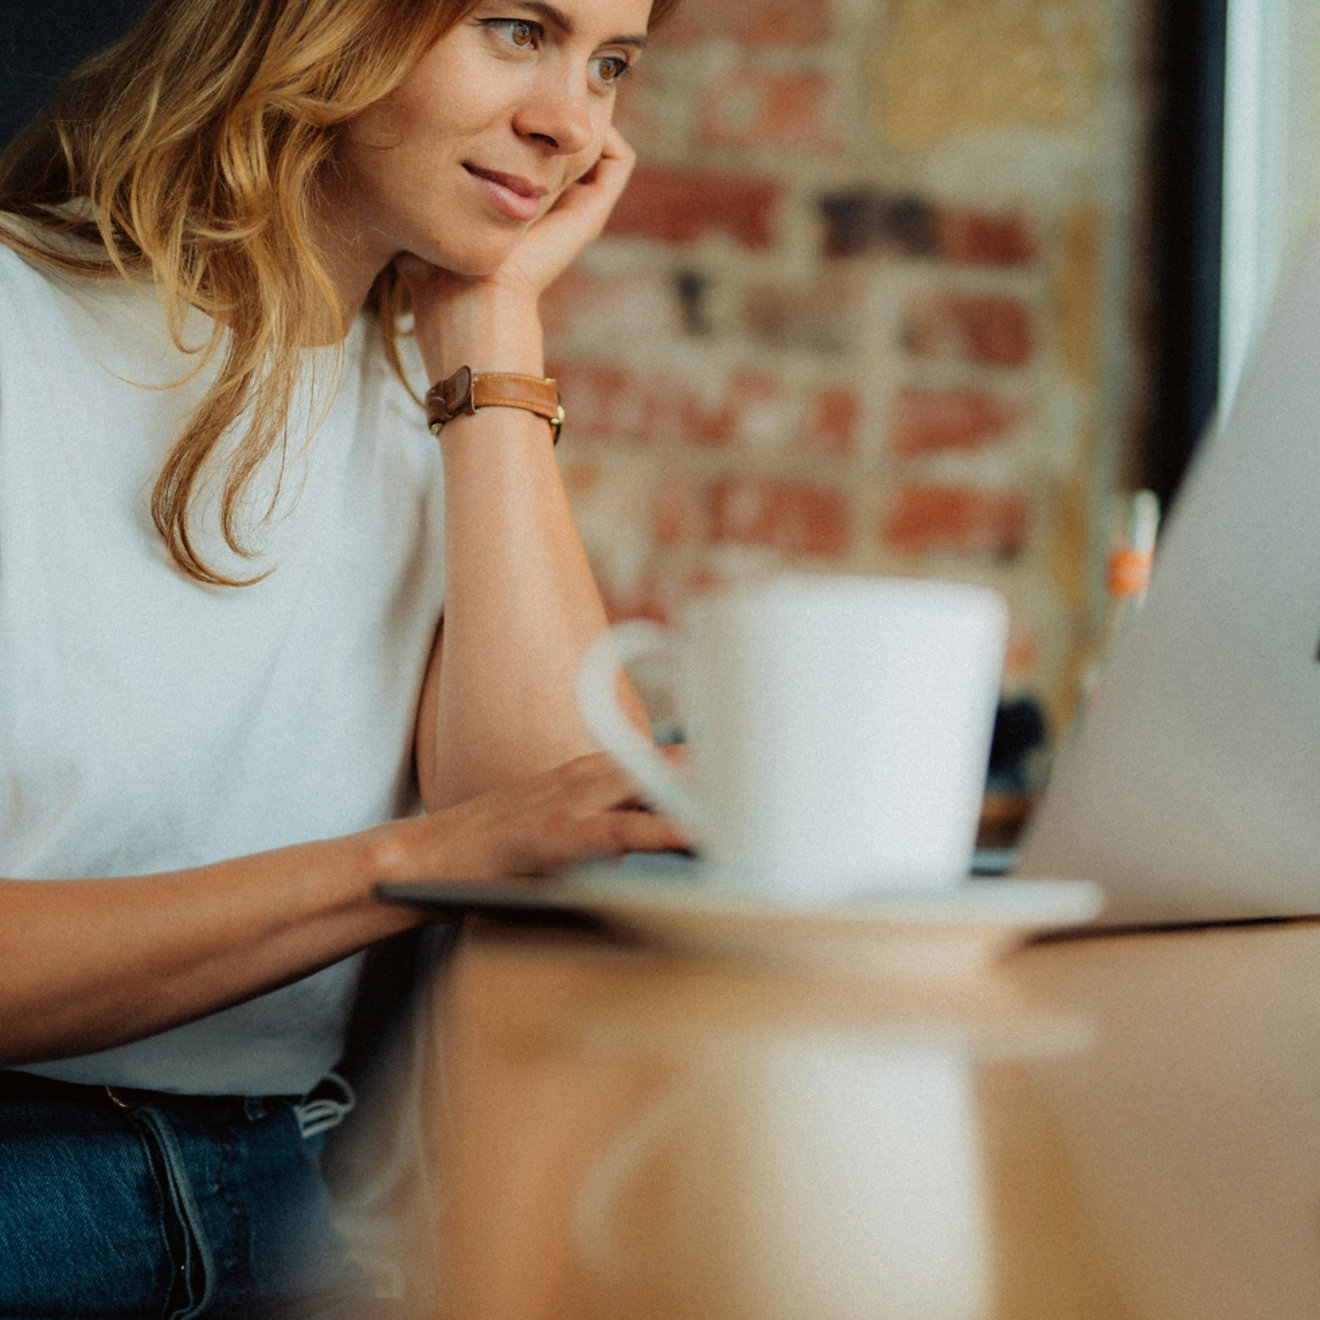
25,1086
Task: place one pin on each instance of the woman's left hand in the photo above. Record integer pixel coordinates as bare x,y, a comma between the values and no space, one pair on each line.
553,242
521,606
443,302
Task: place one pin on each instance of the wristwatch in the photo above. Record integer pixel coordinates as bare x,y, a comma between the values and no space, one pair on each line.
466,391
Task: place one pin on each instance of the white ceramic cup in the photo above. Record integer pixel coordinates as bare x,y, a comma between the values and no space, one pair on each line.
838,727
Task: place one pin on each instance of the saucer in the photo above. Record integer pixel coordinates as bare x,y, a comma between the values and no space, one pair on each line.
951,932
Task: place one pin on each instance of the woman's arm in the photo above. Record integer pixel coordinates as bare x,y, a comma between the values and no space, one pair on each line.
521,606
88,964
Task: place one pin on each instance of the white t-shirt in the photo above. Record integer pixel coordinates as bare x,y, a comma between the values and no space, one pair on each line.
150,722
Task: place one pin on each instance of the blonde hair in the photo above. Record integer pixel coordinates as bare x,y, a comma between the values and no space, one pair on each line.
200,142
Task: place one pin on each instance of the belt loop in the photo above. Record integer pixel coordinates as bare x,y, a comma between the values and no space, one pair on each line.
320,1114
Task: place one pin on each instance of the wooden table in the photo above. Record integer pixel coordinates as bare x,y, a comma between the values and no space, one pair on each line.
1119,1125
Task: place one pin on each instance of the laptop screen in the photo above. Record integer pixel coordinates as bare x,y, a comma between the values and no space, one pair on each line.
1191,789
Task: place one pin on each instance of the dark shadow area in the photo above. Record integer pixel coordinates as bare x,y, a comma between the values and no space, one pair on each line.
1185,202
40,40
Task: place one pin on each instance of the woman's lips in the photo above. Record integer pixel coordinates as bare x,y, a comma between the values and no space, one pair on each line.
510,194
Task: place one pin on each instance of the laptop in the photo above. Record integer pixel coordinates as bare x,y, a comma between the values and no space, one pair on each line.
1191,789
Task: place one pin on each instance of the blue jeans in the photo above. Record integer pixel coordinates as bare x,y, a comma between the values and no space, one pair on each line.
164,1211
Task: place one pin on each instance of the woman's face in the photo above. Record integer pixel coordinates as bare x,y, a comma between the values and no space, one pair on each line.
500,116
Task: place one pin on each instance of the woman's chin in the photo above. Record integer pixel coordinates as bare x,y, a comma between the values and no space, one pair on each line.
471,261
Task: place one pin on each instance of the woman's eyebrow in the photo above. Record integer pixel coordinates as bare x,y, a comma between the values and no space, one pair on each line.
556,18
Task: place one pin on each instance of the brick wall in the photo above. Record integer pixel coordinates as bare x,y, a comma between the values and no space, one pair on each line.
866,306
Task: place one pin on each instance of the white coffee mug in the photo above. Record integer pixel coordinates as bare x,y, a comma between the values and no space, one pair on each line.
839,730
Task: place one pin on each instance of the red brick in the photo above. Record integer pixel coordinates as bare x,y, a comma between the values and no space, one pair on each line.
685,205
600,401
785,515
603,401
988,328
718,423
977,239
748,22
699,420
928,421
871,221
676,521
759,108
620,305
832,423
818,315
961,519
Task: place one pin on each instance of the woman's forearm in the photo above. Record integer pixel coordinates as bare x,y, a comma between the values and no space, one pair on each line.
521,605
89,964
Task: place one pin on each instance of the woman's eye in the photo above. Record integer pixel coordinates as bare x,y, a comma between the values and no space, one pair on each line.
516,31
611,68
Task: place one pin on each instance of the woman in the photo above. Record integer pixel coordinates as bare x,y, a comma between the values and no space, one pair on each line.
225,540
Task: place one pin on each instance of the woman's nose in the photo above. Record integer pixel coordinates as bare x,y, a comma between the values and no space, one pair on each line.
557,111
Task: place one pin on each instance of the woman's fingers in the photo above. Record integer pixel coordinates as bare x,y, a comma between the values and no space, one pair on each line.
584,208
583,809
601,186
579,215
642,831
546,249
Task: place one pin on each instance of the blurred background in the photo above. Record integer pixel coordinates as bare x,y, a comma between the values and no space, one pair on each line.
901,286
906,286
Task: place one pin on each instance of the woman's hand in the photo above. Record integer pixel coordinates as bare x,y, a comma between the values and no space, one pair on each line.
521,606
577,218
451,310
89,964
583,809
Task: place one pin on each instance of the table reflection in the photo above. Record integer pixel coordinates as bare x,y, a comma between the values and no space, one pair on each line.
638,1136
1111,1128
801,1179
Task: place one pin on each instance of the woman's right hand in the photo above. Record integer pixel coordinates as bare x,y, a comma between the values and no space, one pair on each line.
583,809
89,964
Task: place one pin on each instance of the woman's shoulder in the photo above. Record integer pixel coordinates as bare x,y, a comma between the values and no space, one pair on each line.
33,303
42,266
43,298
51,258
21,266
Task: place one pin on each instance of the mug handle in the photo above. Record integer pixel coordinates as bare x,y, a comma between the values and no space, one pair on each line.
616,733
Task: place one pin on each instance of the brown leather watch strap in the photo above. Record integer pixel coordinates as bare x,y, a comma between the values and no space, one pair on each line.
465,391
